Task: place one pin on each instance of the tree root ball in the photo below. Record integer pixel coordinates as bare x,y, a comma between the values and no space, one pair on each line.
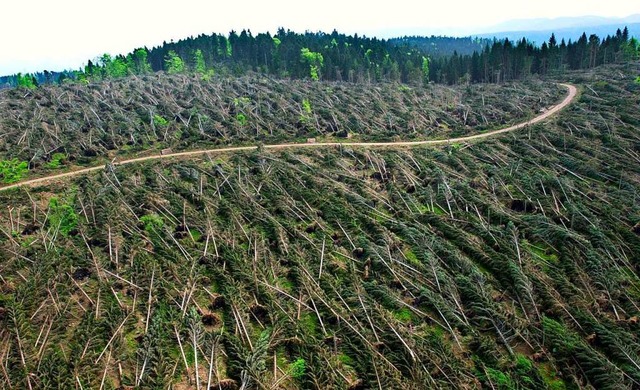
217,302
81,273
210,319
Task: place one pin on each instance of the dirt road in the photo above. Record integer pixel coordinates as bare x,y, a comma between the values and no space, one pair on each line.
567,100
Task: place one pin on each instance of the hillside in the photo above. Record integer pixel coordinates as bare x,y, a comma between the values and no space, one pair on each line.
507,263
56,127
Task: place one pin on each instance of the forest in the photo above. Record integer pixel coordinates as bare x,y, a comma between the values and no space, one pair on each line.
353,58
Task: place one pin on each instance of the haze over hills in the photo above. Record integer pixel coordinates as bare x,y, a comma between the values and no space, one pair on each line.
571,33
538,30
547,24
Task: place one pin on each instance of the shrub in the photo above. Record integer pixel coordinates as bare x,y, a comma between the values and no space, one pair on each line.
56,160
306,106
12,171
62,217
523,364
297,368
152,222
159,120
241,118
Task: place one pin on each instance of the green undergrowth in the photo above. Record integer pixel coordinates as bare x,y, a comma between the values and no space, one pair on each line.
12,170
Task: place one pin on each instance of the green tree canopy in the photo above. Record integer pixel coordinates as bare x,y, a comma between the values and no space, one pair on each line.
140,63
114,67
314,60
173,63
631,49
27,81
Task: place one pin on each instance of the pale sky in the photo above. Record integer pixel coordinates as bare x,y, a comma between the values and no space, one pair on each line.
63,34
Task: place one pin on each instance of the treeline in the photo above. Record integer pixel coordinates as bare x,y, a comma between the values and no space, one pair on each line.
288,54
35,79
340,57
505,60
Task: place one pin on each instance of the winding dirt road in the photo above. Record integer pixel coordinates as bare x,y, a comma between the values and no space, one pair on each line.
555,109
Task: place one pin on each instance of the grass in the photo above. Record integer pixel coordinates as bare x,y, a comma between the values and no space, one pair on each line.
426,208
345,359
195,234
499,379
550,377
285,284
543,254
403,315
309,323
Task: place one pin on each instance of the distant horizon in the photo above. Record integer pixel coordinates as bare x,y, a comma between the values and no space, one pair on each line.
57,39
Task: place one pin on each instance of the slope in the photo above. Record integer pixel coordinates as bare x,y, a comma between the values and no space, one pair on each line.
572,91
511,263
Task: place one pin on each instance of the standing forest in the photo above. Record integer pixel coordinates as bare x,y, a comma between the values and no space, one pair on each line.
340,57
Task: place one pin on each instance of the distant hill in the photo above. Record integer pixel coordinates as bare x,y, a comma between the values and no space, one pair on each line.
546,24
441,46
566,33
582,23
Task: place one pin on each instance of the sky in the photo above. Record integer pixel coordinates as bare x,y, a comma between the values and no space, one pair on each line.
64,34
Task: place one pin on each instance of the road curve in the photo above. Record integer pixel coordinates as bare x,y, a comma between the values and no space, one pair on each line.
555,109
